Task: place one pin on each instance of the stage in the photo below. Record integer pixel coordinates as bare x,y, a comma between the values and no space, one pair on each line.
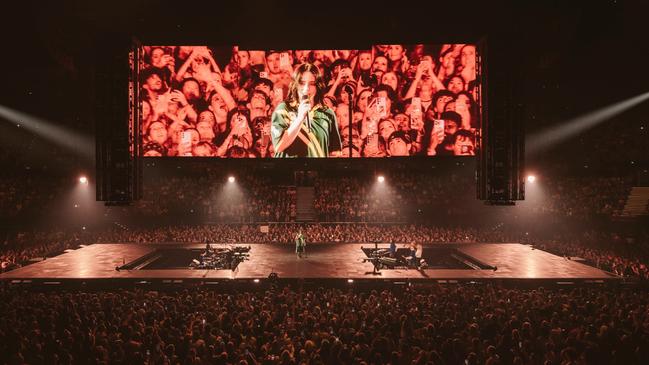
491,261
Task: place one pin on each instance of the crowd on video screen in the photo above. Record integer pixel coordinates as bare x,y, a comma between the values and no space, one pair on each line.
407,100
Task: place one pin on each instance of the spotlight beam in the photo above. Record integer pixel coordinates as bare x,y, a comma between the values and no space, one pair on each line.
570,128
62,136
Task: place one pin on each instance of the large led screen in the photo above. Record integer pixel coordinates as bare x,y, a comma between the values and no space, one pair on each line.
384,101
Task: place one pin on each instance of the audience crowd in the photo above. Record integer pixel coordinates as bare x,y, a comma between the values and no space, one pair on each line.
470,324
452,324
251,199
404,197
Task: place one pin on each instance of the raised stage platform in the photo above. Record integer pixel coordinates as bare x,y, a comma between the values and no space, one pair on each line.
492,261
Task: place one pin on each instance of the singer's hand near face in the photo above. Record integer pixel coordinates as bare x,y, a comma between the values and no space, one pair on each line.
303,109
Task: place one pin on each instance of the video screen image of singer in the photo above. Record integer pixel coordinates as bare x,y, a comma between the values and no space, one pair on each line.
385,101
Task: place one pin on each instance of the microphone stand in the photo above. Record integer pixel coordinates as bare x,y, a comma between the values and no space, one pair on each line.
308,120
350,92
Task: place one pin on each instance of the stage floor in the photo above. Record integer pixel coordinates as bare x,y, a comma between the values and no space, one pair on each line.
324,261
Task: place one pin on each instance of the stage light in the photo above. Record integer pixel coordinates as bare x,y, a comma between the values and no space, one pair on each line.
231,179
380,178
83,180
350,281
531,179
256,280
74,141
570,128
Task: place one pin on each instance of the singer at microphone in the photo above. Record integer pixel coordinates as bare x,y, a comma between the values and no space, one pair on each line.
302,125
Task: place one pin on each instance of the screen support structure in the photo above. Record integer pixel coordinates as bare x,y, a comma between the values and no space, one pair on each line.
117,114
501,156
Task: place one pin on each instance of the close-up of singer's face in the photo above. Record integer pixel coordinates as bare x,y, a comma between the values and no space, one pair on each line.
306,86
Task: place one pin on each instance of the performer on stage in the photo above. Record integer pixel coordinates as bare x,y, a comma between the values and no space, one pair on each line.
302,125
413,254
419,253
300,245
